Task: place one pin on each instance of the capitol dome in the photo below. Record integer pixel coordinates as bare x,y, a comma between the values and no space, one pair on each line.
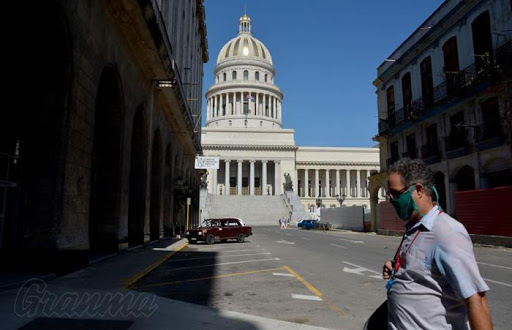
244,45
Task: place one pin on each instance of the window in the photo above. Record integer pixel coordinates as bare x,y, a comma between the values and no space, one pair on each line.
432,143
390,97
224,76
246,107
233,75
427,83
261,123
491,119
230,123
407,95
394,152
266,78
482,41
451,64
246,75
411,146
257,75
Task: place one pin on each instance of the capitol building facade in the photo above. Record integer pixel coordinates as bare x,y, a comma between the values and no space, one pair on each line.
244,129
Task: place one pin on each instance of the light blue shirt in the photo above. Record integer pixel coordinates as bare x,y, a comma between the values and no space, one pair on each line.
438,273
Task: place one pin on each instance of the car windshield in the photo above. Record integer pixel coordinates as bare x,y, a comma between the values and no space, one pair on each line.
211,223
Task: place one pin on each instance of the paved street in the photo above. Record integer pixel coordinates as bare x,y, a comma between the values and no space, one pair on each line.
327,279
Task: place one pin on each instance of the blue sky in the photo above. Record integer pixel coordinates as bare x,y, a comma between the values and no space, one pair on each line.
326,54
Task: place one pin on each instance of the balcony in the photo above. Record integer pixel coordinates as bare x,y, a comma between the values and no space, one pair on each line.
456,146
498,67
383,126
412,154
430,153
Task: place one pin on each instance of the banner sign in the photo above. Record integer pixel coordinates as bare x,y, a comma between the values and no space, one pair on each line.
207,163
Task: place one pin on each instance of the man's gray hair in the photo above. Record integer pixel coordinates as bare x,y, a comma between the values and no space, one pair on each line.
414,171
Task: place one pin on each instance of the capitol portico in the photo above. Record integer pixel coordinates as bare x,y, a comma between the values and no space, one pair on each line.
244,129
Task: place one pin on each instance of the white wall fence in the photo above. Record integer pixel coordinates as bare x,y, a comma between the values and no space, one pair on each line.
348,218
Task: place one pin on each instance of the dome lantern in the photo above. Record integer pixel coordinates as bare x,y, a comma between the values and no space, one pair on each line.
245,24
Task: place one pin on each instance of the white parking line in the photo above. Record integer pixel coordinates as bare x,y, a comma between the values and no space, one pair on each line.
343,247
352,241
231,251
224,263
306,297
282,274
492,281
214,257
483,263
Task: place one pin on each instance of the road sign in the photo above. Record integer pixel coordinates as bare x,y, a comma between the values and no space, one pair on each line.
207,162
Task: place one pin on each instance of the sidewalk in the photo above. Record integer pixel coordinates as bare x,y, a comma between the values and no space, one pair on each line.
96,297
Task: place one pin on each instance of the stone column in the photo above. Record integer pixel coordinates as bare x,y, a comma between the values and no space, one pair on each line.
264,177
327,185
367,191
338,186
317,190
306,183
358,181
226,176
264,104
348,192
257,111
239,178
214,191
251,178
277,190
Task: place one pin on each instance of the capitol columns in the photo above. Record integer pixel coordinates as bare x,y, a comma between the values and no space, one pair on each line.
349,192
306,183
239,178
214,181
358,180
264,177
327,184
226,177
277,190
337,186
251,177
317,179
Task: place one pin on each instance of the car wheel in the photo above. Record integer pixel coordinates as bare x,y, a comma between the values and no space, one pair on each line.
241,238
210,239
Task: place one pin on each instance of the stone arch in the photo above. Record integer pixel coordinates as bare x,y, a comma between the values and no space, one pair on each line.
137,195
439,182
465,178
155,218
33,135
106,158
498,172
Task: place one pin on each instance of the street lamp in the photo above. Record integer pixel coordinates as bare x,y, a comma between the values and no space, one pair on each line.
341,199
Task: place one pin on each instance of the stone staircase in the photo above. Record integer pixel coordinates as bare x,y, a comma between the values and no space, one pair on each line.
253,210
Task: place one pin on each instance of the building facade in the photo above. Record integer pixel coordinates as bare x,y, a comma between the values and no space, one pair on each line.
100,155
445,96
257,155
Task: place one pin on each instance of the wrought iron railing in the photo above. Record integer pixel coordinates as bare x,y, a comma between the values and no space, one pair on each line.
486,71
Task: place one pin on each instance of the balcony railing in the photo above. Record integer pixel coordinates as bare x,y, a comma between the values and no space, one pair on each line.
430,153
495,68
410,154
454,142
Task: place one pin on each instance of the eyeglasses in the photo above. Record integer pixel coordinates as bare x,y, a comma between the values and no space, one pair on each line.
393,194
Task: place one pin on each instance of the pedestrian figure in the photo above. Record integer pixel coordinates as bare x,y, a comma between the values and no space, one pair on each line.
433,279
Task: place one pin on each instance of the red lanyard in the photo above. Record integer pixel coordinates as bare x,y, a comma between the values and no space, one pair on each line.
402,256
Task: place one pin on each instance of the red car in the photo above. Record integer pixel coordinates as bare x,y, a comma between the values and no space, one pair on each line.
219,230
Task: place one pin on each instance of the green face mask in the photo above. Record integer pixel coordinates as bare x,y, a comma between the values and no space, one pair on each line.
404,205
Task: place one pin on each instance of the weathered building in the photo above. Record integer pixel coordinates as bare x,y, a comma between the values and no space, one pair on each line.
445,96
99,153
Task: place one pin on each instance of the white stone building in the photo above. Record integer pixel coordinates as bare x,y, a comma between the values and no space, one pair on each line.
244,129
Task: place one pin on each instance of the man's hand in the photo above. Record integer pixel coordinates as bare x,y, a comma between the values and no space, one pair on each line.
478,312
387,269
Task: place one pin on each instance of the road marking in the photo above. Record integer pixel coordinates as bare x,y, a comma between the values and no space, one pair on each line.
343,247
284,242
209,278
281,274
492,281
340,311
352,241
306,297
206,258
358,270
129,282
231,251
483,263
225,263
308,239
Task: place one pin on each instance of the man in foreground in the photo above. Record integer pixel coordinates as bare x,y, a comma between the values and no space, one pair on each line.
433,280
